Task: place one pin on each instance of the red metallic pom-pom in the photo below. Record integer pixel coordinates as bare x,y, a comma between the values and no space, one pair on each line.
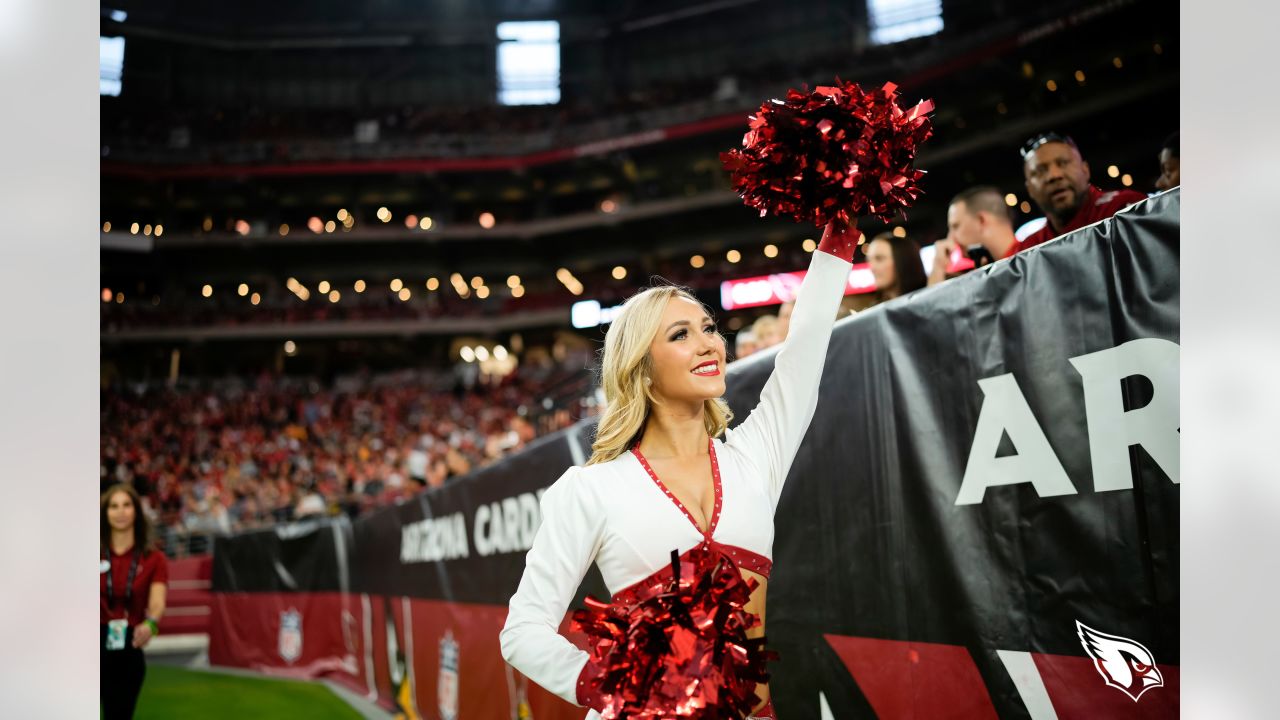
837,152
681,650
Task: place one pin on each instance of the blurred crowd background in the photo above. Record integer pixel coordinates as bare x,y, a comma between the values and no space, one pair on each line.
353,251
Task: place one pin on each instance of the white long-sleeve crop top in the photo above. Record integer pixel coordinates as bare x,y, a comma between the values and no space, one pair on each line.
616,515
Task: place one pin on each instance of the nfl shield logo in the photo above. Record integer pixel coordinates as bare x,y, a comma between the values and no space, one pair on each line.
447,686
290,635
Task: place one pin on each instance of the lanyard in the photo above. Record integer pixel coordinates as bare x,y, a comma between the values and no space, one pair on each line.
128,586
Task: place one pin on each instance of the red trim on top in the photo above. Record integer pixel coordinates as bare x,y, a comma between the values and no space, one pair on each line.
715,477
742,557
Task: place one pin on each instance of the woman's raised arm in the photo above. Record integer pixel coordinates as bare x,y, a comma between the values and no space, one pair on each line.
771,434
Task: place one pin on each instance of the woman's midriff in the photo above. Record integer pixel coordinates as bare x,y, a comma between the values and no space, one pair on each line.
756,605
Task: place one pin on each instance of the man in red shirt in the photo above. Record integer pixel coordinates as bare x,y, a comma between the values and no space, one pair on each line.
1058,180
976,217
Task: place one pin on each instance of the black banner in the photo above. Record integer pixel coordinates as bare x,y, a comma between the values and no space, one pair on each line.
981,522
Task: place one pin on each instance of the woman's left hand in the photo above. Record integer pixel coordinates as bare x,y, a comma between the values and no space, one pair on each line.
141,635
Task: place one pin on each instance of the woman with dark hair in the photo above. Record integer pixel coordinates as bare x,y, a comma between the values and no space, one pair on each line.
896,265
133,576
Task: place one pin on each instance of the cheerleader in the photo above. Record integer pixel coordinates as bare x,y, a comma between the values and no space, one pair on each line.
665,472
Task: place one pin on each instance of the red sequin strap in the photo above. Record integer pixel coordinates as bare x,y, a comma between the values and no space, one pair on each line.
715,477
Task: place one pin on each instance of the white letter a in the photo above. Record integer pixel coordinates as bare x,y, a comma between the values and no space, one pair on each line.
1005,410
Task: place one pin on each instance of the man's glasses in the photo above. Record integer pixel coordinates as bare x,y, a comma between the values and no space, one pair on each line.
1030,146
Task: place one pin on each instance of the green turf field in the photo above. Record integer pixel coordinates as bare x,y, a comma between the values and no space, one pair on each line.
171,692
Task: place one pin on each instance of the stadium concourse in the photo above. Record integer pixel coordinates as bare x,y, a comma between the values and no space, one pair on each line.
357,256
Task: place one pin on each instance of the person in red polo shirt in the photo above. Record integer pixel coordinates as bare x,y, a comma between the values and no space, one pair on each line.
132,583
1058,180
976,217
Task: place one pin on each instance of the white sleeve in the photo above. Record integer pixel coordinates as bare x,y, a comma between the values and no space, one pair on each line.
771,434
563,548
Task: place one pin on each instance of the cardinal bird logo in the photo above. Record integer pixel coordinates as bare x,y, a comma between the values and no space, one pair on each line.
1123,663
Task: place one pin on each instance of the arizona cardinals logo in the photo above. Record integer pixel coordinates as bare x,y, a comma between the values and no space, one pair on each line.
1123,663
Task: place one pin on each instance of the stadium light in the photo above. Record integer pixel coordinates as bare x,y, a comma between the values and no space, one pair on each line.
529,62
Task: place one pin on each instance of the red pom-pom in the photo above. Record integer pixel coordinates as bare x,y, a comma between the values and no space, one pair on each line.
835,153
681,650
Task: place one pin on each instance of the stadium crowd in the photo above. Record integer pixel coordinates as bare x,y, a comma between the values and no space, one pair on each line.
234,455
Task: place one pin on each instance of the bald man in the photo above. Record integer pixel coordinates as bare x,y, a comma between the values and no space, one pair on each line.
1057,178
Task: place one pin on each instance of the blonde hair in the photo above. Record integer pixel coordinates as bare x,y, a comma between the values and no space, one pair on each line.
626,366
765,328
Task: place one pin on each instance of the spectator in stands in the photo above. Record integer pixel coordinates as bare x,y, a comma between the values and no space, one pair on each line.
895,265
765,328
131,599
237,455
784,319
1058,180
977,217
744,344
1170,166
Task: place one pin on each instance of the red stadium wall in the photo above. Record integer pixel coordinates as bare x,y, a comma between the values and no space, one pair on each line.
395,662
189,602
